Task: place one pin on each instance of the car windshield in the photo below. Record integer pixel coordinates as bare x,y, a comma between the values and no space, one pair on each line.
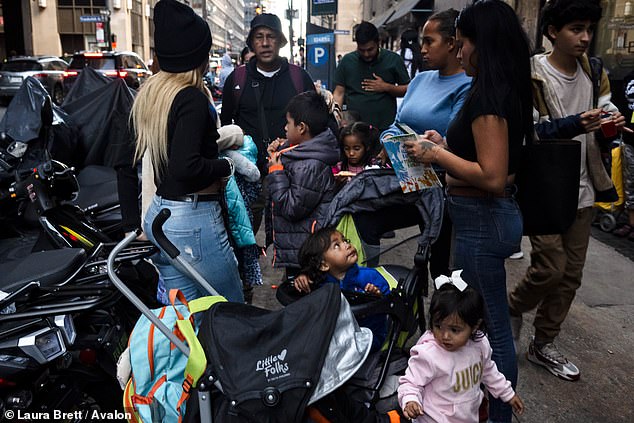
79,62
21,66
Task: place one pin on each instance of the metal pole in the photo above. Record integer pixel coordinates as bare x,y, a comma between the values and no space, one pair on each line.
290,29
107,28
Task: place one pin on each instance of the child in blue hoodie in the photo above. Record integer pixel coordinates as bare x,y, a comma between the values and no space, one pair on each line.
327,257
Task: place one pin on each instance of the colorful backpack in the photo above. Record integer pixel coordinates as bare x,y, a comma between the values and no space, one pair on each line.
162,375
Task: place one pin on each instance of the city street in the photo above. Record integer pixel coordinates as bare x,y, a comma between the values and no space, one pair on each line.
598,336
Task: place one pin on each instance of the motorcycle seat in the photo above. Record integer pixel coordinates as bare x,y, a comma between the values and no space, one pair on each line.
48,267
98,188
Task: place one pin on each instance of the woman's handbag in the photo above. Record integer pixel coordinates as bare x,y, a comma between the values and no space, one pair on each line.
548,185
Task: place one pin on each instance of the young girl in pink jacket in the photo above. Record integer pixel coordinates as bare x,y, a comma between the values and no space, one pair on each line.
451,360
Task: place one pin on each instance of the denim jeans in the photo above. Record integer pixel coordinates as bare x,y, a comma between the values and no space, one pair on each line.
198,231
486,232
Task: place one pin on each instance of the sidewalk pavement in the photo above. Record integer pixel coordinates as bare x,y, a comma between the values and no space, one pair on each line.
598,336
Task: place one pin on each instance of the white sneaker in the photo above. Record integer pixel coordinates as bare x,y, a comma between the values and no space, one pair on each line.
516,256
553,360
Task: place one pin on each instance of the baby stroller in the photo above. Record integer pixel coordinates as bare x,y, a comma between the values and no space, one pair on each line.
376,381
262,366
608,214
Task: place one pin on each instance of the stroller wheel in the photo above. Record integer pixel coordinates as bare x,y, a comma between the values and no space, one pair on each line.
607,222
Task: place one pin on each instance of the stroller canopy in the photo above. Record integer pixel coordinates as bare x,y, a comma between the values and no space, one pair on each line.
269,363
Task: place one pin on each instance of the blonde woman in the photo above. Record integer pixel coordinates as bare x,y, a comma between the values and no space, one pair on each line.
172,122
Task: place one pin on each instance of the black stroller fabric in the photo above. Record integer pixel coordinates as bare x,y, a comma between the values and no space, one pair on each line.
268,362
374,189
102,118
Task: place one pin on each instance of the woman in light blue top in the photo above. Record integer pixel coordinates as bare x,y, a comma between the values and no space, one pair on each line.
434,97
432,100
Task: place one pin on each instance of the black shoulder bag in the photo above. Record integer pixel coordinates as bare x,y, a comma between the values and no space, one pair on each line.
548,185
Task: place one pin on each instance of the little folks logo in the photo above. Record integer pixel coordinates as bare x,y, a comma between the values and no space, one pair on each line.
273,366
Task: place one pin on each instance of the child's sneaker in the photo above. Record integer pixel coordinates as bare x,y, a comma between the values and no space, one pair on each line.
553,360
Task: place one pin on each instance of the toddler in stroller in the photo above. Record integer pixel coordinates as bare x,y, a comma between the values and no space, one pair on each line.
327,257
370,190
264,366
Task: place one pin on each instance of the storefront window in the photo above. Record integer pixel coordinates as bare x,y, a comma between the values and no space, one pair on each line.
614,43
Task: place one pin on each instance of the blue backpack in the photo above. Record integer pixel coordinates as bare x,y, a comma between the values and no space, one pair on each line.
162,375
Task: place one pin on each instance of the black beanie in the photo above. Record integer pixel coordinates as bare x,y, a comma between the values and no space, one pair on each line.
182,39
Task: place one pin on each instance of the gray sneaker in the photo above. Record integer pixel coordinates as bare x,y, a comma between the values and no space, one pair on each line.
516,329
553,360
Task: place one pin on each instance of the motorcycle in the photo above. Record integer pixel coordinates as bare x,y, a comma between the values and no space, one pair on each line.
63,326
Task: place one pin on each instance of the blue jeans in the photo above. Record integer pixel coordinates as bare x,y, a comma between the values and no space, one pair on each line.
198,231
486,232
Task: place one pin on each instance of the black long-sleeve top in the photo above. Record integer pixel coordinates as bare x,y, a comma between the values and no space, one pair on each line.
192,162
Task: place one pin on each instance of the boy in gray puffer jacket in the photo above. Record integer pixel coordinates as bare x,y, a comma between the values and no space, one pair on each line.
300,181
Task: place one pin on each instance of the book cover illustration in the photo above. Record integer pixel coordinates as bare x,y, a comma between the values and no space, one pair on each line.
412,175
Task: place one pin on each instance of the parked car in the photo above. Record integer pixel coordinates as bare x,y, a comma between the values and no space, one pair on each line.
49,70
113,64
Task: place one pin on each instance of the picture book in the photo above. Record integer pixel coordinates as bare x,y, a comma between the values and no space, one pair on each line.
412,175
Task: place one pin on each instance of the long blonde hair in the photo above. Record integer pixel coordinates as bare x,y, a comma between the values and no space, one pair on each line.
151,108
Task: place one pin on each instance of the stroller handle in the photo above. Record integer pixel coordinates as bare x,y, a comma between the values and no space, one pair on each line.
157,230
174,254
134,299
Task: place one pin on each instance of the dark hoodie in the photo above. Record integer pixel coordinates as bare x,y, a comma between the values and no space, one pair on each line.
301,194
276,91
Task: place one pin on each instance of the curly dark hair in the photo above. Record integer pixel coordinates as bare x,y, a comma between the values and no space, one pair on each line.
312,251
561,12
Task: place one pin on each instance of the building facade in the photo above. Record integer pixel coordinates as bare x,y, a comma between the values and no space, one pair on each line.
27,26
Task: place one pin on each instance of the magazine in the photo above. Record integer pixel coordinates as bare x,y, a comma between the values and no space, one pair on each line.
412,175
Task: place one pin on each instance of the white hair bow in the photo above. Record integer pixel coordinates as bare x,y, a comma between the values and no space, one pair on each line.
454,280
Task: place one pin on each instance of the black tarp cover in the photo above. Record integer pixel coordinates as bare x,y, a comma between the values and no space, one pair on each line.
102,119
87,81
22,122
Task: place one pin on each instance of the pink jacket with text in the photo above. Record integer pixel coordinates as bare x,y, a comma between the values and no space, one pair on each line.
447,384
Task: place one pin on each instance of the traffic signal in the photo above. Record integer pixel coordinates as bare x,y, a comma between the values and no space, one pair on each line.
113,41
259,9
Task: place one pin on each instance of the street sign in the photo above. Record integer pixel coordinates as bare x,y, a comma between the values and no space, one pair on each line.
327,38
323,7
92,18
341,32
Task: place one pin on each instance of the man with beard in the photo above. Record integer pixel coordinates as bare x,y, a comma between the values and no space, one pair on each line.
369,79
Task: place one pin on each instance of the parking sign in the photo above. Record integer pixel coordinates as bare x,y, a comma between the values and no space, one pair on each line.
320,63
